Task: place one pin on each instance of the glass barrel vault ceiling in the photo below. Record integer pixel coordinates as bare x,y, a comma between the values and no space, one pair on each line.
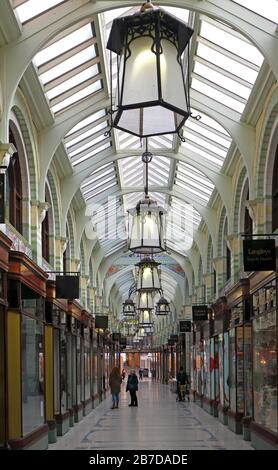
225,66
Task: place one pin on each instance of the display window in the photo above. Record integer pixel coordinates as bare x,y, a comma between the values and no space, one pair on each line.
221,368
226,369
32,374
206,368
87,366
199,364
265,369
236,369
60,372
248,370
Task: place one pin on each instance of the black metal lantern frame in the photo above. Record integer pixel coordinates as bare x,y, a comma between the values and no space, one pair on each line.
146,222
162,307
145,318
150,282
148,113
145,300
129,307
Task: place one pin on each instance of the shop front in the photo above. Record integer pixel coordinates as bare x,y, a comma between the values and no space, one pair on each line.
27,428
199,364
57,371
5,244
264,427
221,359
240,364
76,360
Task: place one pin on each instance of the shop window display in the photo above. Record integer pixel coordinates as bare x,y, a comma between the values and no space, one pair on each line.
207,372
87,366
32,374
265,370
226,369
221,368
248,379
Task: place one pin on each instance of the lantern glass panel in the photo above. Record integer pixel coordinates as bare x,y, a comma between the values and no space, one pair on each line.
147,233
148,278
140,78
145,300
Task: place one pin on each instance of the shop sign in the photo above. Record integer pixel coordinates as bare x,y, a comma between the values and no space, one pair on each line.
185,326
174,338
67,287
199,312
259,255
101,322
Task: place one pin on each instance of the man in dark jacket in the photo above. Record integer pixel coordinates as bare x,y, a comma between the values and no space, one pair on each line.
132,387
182,382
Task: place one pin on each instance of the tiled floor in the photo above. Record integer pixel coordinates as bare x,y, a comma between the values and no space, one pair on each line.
159,422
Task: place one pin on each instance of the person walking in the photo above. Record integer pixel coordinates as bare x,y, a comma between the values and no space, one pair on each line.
132,387
123,375
182,382
115,386
141,374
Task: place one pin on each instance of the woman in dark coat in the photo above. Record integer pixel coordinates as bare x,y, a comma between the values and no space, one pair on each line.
115,386
132,387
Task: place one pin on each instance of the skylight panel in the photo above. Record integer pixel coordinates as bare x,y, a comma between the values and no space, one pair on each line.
268,10
101,175
240,47
204,143
217,95
211,123
91,154
69,64
96,86
185,185
87,145
32,8
221,80
221,60
59,47
86,134
74,81
104,189
203,153
207,133
88,120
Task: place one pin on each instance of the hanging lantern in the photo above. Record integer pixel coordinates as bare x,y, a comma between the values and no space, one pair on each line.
145,301
162,307
145,318
146,227
148,275
129,308
152,97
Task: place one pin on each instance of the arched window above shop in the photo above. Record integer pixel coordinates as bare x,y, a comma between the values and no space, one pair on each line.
14,187
275,193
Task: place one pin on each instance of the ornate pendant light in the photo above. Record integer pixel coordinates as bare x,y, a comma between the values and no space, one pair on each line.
146,222
148,278
145,318
152,94
145,301
129,309
162,307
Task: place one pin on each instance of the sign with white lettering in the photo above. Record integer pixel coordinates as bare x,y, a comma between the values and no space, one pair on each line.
185,326
259,255
199,312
